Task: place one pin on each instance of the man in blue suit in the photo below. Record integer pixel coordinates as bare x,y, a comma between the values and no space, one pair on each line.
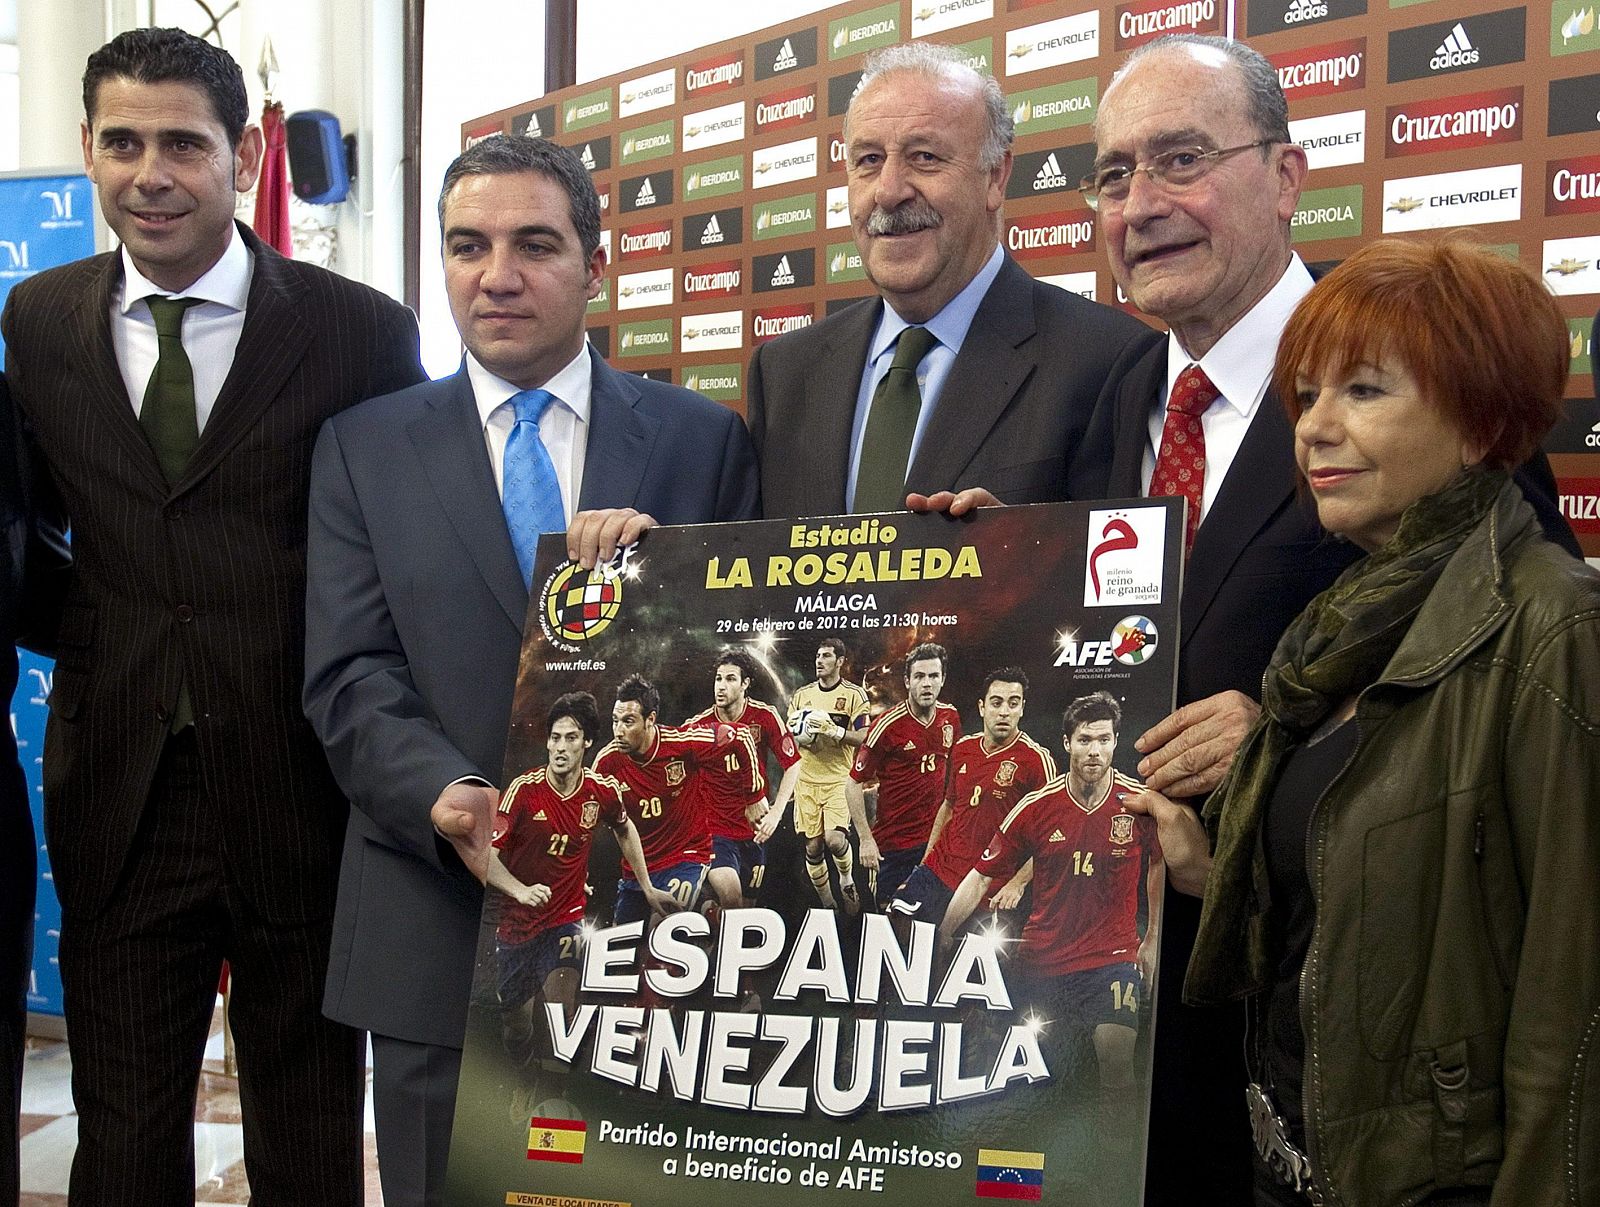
424,508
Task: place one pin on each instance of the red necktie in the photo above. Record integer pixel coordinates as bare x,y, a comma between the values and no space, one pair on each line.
1181,460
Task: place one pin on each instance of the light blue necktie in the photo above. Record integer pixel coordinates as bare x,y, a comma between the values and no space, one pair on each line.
531,492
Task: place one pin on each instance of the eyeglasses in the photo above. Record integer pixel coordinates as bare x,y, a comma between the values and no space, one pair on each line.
1173,170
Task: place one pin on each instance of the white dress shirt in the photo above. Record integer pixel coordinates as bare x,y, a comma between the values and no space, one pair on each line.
564,427
1240,366
211,330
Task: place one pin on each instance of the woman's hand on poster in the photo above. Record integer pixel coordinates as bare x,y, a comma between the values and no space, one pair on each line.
1183,840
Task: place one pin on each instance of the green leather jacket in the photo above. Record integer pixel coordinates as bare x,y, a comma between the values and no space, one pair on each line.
1451,994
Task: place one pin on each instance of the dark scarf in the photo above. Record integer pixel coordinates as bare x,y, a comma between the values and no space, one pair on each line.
1337,647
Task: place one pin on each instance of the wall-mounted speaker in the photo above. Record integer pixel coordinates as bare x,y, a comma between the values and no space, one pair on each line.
318,163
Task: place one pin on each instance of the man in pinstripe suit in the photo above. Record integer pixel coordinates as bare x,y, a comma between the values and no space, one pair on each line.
190,814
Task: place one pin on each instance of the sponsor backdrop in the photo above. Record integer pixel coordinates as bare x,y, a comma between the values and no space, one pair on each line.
723,179
44,221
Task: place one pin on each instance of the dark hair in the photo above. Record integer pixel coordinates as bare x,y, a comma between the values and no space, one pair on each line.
729,656
1085,710
837,646
580,706
508,154
1264,102
1480,335
641,691
161,56
924,652
1004,674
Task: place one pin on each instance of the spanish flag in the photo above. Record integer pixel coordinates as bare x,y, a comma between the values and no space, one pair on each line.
559,1140
1008,1175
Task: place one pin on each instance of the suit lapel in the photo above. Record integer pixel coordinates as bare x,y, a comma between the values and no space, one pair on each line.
992,366
107,393
832,385
1260,482
1137,395
275,338
621,439
448,437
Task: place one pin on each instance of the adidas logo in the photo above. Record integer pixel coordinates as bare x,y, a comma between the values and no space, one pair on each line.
646,194
587,158
1456,50
533,129
1305,10
909,746
1057,836
786,60
784,275
712,233
539,816
1049,176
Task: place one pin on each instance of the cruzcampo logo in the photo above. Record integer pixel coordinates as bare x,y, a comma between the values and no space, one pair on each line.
602,300
844,263
978,54
1056,107
864,31
795,215
1573,27
590,109
714,177
1328,214
648,338
647,142
723,382
1580,345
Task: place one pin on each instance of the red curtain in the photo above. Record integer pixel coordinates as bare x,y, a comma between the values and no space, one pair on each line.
272,192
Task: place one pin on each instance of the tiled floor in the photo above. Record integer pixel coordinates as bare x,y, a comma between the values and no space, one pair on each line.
50,1130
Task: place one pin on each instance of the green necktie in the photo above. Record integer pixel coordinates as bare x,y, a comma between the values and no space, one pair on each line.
886,444
169,422
167,413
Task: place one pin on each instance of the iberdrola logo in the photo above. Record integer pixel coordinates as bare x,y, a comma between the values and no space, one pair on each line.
577,605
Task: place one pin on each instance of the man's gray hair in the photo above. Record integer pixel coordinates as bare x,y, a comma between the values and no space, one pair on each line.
1265,104
948,63
508,154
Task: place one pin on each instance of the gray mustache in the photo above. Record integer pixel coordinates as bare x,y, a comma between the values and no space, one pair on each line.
906,219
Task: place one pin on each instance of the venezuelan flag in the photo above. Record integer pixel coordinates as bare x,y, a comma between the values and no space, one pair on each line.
1010,1175
558,1140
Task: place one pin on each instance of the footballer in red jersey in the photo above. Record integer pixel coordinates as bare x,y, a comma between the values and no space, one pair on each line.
989,773
732,789
1095,864
907,753
653,764
539,857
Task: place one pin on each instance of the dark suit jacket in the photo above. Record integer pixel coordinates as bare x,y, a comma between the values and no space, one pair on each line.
414,629
201,582
1012,415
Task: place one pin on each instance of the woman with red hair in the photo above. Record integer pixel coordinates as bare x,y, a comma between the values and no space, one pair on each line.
1407,846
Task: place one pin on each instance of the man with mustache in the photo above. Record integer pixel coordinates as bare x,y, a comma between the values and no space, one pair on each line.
965,380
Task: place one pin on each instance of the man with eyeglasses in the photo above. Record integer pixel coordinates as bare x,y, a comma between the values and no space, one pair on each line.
1195,182
968,381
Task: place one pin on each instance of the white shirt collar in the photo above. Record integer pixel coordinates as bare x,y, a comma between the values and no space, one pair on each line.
227,282
1240,363
570,386
954,320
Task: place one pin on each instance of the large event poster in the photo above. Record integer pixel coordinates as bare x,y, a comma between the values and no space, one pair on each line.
808,1030
45,220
